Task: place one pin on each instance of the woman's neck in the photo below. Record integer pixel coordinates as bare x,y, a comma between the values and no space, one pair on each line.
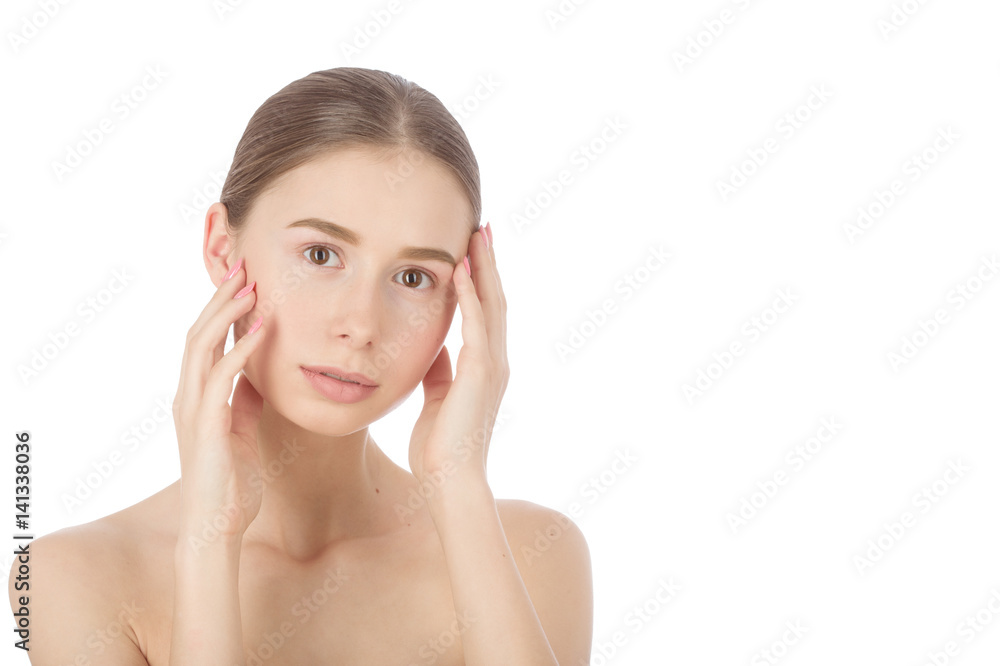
319,490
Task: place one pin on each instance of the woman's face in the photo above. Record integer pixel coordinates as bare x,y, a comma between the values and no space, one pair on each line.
363,297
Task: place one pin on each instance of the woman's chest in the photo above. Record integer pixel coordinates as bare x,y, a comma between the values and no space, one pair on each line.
385,608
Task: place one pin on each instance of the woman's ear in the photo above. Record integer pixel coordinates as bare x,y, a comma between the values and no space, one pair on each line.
218,245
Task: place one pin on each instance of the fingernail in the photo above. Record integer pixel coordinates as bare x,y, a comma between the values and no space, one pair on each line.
245,290
489,232
482,232
232,271
465,260
256,325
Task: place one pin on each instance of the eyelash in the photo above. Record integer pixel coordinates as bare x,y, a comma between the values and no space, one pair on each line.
406,270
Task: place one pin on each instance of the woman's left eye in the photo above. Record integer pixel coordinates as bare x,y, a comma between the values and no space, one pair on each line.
422,281
423,278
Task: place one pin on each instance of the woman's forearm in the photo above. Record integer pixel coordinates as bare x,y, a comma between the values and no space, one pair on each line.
491,602
206,619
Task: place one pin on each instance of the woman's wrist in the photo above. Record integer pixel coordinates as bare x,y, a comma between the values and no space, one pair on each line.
194,544
460,495
206,613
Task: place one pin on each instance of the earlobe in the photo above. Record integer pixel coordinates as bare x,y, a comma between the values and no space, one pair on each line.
217,246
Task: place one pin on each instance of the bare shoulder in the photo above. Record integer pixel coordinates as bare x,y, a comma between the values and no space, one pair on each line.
539,529
77,584
553,558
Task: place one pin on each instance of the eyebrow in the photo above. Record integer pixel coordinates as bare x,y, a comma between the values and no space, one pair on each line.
345,234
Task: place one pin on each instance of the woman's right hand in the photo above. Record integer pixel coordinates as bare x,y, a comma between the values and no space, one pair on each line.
220,466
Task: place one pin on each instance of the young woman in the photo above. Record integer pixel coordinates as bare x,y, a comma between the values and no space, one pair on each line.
346,235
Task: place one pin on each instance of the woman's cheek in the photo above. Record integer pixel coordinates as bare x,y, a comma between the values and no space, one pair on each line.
284,295
433,318
419,319
277,305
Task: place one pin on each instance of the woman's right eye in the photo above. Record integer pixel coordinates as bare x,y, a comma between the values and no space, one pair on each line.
319,254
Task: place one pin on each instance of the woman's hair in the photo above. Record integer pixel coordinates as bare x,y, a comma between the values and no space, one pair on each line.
344,107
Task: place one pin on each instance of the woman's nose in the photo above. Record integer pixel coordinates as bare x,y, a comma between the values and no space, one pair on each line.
358,313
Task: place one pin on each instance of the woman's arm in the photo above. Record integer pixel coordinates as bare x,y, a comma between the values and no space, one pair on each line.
501,623
489,591
207,625
219,462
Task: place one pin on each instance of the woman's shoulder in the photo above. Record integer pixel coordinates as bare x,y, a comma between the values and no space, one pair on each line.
80,585
80,561
553,558
103,552
535,530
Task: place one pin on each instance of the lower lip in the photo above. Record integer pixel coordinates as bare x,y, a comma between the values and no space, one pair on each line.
336,390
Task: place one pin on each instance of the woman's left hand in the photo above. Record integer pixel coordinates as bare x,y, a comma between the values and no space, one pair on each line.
452,434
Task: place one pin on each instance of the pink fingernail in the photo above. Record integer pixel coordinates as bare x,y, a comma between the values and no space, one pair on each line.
256,325
245,290
465,260
482,232
232,271
489,232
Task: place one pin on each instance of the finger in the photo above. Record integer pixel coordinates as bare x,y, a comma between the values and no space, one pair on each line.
223,295
219,386
225,292
475,342
494,305
205,347
214,415
486,277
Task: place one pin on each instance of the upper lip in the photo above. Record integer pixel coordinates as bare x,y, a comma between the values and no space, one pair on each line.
353,376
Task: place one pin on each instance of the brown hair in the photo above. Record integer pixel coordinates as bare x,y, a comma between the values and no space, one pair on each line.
337,108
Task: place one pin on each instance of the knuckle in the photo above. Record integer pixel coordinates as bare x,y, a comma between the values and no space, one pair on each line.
218,373
213,374
194,338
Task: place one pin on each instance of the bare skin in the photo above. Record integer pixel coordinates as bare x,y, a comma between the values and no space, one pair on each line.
391,605
342,558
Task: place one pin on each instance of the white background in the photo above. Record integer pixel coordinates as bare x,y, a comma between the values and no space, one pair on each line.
685,128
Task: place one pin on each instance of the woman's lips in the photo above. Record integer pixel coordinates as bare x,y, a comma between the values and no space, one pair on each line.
341,373
337,390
